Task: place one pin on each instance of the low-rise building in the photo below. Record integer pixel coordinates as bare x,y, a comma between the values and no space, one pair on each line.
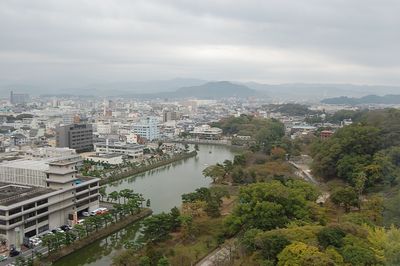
40,195
206,132
130,150
110,158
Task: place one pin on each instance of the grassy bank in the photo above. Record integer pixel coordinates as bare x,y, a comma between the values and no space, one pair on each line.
135,171
96,235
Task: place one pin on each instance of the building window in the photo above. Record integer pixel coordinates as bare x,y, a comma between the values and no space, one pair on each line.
29,215
14,211
42,219
15,220
3,222
43,228
41,202
2,213
29,224
43,210
82,189
29,206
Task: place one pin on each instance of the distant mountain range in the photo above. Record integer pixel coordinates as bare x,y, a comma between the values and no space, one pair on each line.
198,88
209,90
369,99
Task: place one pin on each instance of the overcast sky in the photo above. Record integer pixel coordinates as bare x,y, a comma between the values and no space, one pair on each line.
320,41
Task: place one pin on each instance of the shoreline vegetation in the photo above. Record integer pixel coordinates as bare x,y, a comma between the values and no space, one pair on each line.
135,171
94,236
276,217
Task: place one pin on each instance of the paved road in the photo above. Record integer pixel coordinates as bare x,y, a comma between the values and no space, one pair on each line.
26,254
220,255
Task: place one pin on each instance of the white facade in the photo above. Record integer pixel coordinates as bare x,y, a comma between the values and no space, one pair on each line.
28,172
147,128
113,159
206,132
130,150
104,129
40,195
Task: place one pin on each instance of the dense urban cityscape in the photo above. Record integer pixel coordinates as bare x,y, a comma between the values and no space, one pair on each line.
199,133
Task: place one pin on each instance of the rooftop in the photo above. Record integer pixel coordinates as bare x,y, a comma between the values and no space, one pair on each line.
11,193
120,144
40,164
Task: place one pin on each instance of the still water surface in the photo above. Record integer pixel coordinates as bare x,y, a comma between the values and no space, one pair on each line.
164,187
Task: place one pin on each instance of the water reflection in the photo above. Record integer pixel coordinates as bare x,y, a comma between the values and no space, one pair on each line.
164,186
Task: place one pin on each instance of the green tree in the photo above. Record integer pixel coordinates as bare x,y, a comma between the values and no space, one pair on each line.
81,231
239,160
272,245
331,236
212,208
144,261
345,197
301,254
215,172
102,192
248,240
269,205
157,227
114,196
163,262
175,218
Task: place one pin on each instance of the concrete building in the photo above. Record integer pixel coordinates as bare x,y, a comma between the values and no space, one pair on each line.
147,128
75,136
58,197
206,132
49,152
170,116
130,150
110,158
18,98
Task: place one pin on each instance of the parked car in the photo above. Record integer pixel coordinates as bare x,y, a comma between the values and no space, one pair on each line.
35,241
81,221
65,227
85,214
102,211
57,230
94,212
14,252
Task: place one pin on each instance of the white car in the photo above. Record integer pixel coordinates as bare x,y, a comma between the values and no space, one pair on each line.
35,241
94,212
85,214
81,221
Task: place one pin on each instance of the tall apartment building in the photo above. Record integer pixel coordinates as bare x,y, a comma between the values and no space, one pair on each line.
75,136
56,197
170,116
18,98
147,128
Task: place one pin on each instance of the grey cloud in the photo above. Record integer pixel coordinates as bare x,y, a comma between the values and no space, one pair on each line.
62,41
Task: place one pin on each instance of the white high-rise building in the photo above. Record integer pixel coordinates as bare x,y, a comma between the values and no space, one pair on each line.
147,128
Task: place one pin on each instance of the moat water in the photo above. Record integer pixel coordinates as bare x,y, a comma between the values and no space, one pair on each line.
164,187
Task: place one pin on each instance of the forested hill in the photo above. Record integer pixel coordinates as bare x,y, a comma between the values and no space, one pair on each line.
370,99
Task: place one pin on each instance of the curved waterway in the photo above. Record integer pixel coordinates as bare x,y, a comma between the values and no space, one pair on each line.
164,187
